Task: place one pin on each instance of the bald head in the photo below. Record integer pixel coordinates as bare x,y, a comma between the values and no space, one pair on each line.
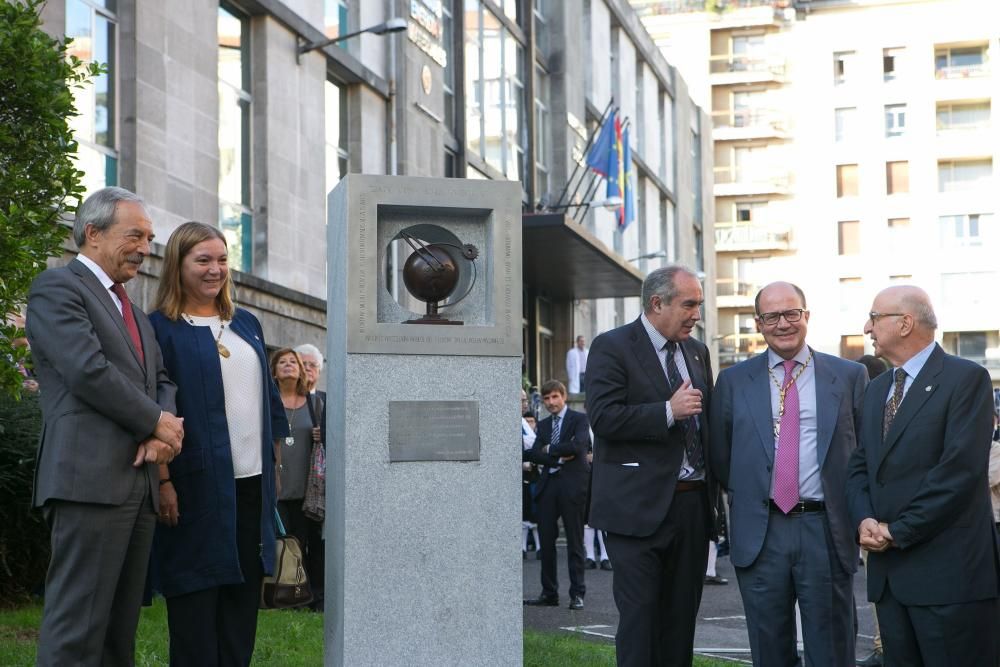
904,323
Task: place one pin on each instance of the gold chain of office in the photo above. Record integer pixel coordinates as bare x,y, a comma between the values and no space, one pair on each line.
783,390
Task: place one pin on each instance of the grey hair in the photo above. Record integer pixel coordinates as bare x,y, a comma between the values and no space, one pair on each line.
920,306
99,210
661,282
310,350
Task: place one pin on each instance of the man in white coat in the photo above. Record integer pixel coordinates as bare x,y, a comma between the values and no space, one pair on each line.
576,364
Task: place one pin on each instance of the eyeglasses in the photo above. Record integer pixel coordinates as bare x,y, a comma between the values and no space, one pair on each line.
310,364
793,315
873,316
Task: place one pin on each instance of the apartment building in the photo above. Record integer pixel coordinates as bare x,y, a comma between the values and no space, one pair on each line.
854,147
230,112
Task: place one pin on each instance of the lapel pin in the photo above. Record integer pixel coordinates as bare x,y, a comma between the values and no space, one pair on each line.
927,388
696,358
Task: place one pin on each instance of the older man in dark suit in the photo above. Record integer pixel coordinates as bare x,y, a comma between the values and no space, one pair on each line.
648,383
560,449
106,407
784,425
917,491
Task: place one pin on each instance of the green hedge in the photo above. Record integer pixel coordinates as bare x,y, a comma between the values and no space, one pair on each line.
24,537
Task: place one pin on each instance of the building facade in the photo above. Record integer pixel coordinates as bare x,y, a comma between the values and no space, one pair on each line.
220,112
854,148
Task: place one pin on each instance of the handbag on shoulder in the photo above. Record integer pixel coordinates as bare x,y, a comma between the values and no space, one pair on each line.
314,503
289,586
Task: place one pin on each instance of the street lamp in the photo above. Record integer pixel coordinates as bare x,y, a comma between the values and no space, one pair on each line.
390,26
659,254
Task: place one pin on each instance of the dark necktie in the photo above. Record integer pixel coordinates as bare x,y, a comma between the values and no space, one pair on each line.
129,317
554,440
893,405
692,446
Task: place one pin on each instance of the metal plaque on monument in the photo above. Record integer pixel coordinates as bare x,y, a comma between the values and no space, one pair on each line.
424,359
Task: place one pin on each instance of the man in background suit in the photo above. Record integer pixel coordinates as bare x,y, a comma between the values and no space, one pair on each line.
106,407
647,385
561,491
784,425
917,490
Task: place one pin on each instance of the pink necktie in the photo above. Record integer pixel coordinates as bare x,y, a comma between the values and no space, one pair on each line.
129,316
786,463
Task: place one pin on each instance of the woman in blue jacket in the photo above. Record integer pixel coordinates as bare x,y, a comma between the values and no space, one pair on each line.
215,540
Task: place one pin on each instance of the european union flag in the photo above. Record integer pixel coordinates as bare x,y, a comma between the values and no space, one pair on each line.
599,155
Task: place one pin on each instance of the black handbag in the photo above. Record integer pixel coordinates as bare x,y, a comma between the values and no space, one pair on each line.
288,586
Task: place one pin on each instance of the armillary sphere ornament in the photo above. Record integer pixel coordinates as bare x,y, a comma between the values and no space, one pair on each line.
431,273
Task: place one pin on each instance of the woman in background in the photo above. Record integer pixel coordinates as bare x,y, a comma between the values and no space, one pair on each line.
216,538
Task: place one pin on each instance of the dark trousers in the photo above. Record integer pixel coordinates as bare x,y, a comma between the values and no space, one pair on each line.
657,585
956,635
309,533
563,496
94,585
798,562
217,627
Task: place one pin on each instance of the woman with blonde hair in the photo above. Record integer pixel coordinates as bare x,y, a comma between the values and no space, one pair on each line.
302,414
215,539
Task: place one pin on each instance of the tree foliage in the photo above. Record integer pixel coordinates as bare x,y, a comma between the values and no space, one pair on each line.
39,182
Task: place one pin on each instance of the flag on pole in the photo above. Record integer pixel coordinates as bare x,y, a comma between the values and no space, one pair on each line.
597,158
628,206
616,169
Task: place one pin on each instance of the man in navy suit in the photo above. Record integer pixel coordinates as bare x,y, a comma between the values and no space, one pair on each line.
561,449
918,493
648,384
784,425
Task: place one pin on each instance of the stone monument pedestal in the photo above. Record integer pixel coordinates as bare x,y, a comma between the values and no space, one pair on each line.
423,484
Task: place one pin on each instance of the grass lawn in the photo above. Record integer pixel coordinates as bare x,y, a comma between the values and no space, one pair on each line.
292,639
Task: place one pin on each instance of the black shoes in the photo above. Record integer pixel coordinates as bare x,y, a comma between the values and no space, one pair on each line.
589,564
606,565
576,602
544,600
715,580
874,660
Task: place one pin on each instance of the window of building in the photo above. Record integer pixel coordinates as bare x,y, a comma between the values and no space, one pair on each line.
899,233
890,63
844,120
969,344
852,347
958,116
958,175
494,91
448,75
897,177
843,67
851,294
336,133
335,19
969,230
93,28
235,101
847,180
901,279
849,237
895,120
960,62
750,212
747,52
543,139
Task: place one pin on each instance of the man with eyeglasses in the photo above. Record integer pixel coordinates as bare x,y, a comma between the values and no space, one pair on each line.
918,493
783,427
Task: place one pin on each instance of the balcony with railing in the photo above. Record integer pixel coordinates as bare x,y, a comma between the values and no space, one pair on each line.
733,68
732,293
737,347
733,181
744,238
743,124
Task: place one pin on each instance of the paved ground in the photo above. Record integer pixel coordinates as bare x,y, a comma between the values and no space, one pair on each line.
721,630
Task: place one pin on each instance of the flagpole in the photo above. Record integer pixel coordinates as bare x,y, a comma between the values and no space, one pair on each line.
591,190
576,167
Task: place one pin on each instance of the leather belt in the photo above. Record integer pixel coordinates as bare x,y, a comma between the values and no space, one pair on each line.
688,485
801,507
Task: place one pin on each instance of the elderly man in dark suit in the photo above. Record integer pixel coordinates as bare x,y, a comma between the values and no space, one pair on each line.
560,449
783,427
648,384
918,493
107,409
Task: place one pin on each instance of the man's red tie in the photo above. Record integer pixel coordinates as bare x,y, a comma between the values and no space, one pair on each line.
133,328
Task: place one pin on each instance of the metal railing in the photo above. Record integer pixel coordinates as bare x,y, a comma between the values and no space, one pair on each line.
750,176
750,118
733,64
684,6
961,71
752,235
